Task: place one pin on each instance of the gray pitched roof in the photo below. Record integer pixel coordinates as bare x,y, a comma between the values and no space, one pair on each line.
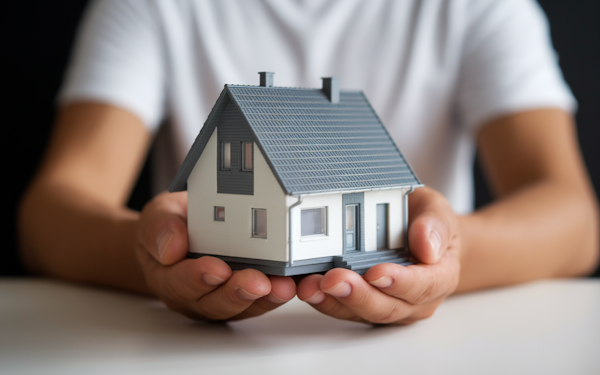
311,144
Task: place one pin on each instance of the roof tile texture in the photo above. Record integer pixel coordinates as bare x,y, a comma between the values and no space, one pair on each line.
316,146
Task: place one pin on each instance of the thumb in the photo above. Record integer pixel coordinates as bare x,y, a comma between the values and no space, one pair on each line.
431,225
162,230
428,237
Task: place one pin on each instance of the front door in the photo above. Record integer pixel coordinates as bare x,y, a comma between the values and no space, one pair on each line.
351,227
382,226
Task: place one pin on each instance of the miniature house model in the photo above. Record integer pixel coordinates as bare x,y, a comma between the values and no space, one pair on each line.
292,181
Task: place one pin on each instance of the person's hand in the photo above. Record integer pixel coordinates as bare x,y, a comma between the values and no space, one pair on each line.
204,288
390,293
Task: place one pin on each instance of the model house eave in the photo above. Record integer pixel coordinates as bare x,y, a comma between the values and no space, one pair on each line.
350,191
311,145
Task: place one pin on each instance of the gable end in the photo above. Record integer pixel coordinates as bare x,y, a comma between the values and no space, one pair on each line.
233,129
180,181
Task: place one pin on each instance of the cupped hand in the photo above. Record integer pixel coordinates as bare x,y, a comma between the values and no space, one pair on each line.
204,288
390,293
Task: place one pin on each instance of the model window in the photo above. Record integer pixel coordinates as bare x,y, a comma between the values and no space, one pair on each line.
219,213
259,222
314,221
350,213
226,155
246,156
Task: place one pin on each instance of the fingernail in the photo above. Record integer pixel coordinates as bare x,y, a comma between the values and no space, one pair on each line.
436,241
316,298
383,282
342,289
163,242
274,299
247,296
212,279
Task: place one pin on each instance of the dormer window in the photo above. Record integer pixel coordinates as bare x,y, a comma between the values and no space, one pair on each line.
247,156
226,156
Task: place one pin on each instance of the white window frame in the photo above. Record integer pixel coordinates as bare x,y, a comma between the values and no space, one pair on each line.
216,216
253,224
325,224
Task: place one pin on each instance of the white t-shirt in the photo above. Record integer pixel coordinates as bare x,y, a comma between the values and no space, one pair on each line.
433,70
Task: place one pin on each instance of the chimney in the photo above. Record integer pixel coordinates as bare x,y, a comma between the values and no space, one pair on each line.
266,79
331,88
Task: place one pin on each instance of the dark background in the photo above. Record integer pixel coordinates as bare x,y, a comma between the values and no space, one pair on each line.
36,38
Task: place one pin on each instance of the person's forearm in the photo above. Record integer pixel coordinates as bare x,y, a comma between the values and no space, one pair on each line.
65,234
545,230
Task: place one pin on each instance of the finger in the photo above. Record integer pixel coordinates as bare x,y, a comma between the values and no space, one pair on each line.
186,281
163,228
415,284
431,225
283,289
364,300
309,290
233,297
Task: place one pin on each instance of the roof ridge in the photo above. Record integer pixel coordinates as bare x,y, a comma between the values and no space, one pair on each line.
234,85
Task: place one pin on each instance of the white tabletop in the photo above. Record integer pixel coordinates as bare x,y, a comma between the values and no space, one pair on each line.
547,327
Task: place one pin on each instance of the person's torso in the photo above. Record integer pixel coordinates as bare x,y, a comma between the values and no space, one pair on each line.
405,56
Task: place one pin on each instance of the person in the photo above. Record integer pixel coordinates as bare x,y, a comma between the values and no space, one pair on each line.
444,77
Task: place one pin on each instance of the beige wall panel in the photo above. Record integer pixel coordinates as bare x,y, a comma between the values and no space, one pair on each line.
318,246
232,237
395,199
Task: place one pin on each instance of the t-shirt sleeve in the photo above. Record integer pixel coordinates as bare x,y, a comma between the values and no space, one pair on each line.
117,60
509,64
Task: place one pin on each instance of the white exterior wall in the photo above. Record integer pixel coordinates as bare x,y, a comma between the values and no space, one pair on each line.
233,237
332,244
318,246
395,200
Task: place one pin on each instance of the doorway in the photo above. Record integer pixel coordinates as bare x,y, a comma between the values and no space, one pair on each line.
352,222
351,232
382,226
